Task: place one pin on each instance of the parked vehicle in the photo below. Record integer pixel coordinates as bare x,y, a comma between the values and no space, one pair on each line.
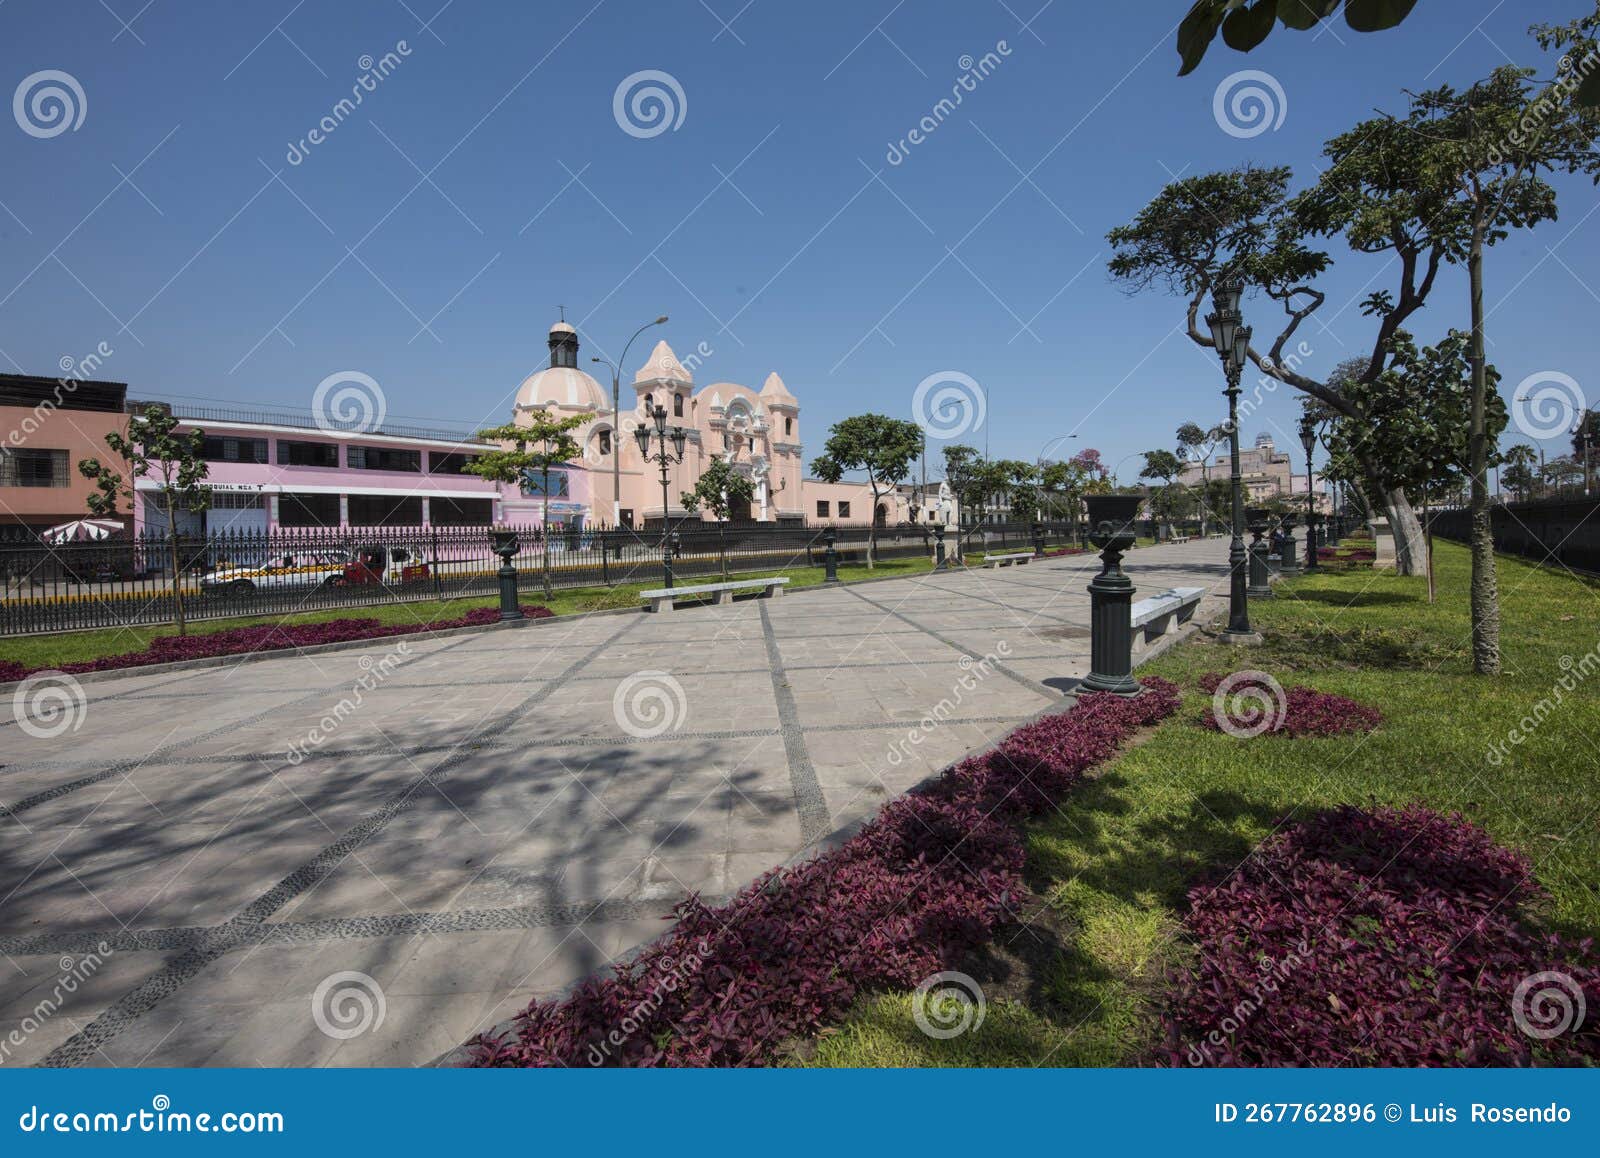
308,569
388,565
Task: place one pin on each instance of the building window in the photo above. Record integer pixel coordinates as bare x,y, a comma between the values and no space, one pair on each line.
605,442
444,511
385,511
788,427
449,462
23,467
822,508
291,453
214,449
308,510
383,458
627,516
677,406
844,510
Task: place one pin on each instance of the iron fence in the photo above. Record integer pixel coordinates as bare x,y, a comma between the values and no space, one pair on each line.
125,582
1557,530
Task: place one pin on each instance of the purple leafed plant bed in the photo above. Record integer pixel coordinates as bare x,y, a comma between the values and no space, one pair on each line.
1258,704
930,877
243,640
1381,938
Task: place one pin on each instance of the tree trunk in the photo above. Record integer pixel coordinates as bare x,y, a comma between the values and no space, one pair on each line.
1485,601
1427,530
872,530
1409,547
177,569
722,546
544,534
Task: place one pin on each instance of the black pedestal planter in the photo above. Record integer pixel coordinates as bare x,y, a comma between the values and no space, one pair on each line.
830,557
1289,559
1111,596
1260,575
505,545
1311,542
938,548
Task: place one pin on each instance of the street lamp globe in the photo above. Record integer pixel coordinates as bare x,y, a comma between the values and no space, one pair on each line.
642,434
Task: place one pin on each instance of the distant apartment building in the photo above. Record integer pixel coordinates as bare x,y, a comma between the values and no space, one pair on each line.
48,426
1265,472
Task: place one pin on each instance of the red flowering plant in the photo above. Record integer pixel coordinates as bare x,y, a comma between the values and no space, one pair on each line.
245,640
1391,937
1246,704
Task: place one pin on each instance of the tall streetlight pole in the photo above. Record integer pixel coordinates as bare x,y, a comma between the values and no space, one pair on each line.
616,420
1581,430
1308,440
1039,462
1232,343
666,459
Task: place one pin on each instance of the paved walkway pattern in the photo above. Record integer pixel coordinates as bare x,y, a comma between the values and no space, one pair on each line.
473,821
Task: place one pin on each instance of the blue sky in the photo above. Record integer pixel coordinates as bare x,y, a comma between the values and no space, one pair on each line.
429,238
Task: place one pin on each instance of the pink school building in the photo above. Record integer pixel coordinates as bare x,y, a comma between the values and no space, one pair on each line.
270,470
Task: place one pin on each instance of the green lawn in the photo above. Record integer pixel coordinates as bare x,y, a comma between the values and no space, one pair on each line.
80,646
1115,862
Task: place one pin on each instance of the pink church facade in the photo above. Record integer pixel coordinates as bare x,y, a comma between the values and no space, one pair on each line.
756,431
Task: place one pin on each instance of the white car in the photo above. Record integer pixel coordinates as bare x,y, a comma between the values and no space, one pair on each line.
299,571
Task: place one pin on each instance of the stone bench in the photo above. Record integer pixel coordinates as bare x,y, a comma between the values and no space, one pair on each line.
661,598
1162,613
1178,539
1017,557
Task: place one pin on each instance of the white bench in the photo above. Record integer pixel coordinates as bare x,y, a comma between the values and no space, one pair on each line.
661,598
1179,539
1017,557
1162,613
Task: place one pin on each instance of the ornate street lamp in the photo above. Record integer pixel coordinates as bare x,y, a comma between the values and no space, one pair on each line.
1111,522
616,419
1232,342
665,459
1308,440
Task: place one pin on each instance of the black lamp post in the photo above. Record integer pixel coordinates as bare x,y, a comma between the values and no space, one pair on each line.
1111,518
1232,342
504,544
1308,440
616,419
665,459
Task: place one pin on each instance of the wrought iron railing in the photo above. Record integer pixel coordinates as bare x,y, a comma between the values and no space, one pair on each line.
123,582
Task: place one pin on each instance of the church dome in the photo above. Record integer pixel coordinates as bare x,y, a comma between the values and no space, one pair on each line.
563,386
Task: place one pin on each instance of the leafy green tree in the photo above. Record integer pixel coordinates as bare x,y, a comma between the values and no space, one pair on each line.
719,490
1244,24
1482,153
1563,474
153,447
881,447
523,451
1195,445
1520,461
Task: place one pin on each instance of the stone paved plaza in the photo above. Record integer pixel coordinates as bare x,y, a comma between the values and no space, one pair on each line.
500,814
